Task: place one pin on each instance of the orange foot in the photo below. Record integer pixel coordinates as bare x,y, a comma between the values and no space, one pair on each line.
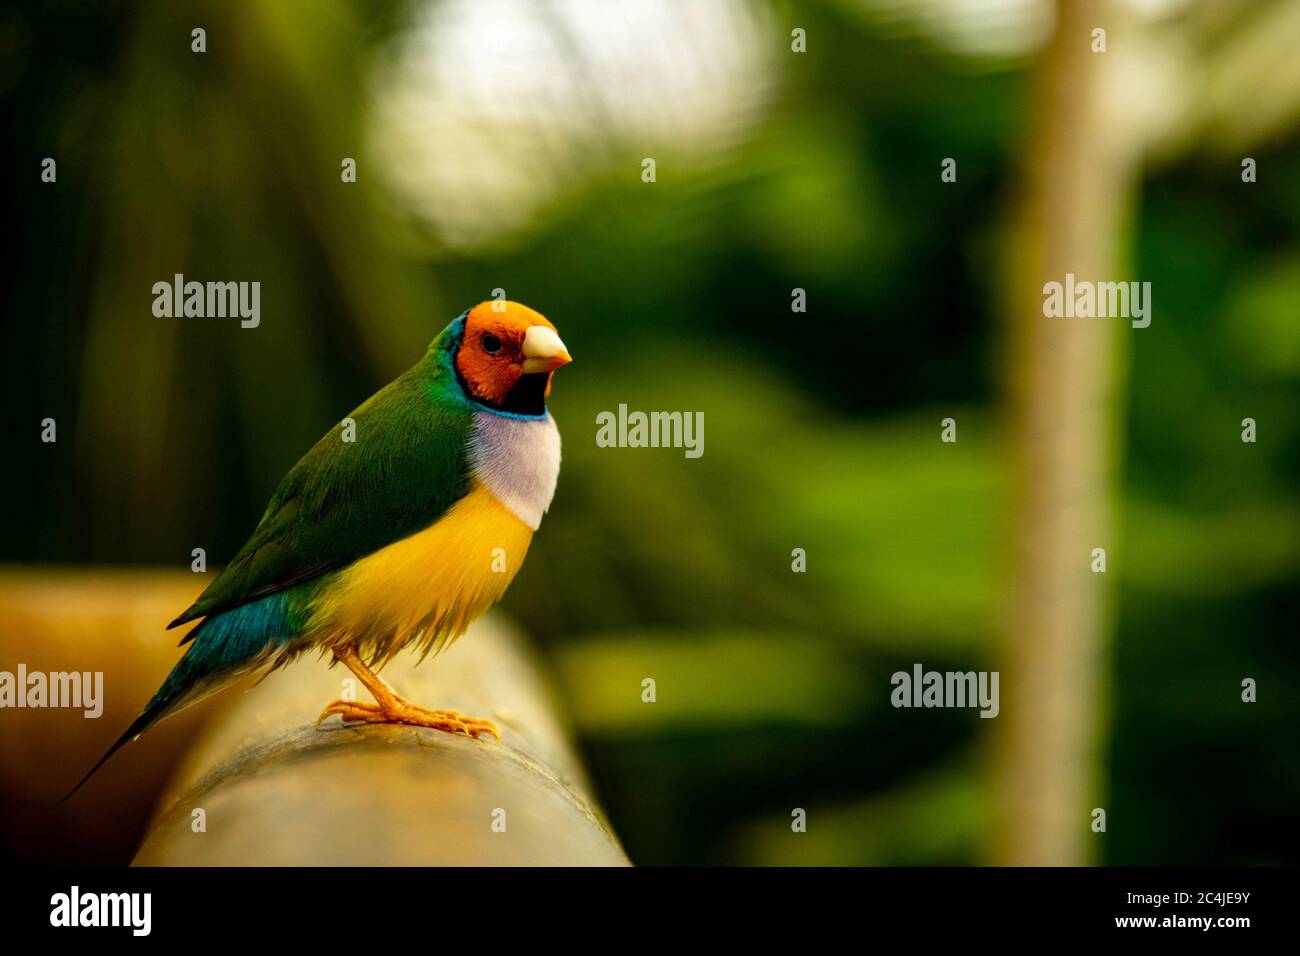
398,711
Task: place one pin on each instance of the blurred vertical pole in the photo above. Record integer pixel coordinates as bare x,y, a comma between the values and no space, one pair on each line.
1061,392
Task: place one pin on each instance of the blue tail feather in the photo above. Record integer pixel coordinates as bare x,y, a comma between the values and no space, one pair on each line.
222,647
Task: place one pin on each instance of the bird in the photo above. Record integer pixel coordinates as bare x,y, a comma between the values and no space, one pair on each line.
404,523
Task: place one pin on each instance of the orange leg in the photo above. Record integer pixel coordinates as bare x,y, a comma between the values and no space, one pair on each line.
392,709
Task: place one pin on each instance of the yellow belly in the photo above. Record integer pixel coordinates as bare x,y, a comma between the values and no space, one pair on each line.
427,587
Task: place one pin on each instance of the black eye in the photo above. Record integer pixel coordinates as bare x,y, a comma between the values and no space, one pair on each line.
491,344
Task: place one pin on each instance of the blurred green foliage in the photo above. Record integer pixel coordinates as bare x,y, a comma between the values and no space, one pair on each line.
821,428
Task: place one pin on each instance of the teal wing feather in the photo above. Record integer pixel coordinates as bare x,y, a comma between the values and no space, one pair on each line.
406,467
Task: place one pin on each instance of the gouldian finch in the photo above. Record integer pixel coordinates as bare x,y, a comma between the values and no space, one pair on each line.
399,527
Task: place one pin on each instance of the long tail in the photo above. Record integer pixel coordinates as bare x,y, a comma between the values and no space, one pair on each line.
224,647
153,712
193,678
195,675
178,686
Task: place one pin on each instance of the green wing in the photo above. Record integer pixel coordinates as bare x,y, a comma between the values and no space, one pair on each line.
407,466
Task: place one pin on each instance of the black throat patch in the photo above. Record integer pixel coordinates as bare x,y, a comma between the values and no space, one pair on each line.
528,397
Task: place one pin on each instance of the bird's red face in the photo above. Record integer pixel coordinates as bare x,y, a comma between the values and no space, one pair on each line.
506,357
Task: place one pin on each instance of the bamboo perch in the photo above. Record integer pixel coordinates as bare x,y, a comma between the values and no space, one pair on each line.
265,786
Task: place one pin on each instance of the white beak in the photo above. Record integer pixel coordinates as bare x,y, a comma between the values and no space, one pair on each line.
543,350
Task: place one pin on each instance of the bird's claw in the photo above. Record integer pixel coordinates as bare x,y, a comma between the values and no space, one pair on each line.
403,713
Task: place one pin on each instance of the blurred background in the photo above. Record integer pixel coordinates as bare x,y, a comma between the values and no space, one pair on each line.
499,144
